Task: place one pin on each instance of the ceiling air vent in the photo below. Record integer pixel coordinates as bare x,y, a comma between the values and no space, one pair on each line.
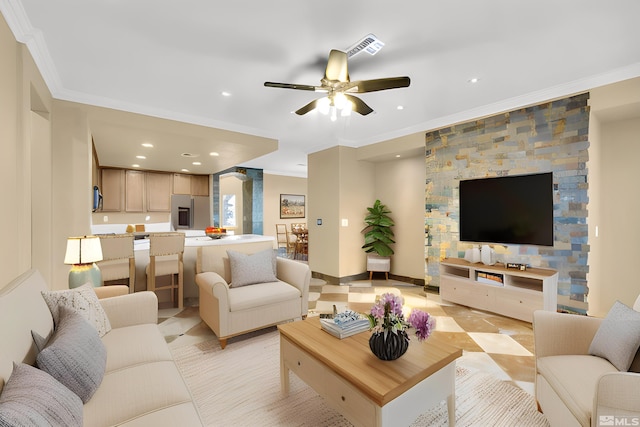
370,44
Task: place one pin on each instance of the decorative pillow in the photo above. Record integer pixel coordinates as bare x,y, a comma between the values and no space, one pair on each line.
252,269
618,336
74,355
83,300
32,397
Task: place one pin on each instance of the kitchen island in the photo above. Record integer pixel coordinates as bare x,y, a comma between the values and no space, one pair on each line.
192,242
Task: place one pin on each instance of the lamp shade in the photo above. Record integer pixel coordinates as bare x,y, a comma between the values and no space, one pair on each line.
83,250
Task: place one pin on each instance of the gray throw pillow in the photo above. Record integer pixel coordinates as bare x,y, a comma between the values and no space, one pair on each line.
252,269
74,355
83,300
618,337
32,397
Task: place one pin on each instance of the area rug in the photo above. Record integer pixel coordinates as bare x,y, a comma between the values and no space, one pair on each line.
240,386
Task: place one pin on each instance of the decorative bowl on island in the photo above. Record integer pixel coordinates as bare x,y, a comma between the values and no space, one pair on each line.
215,232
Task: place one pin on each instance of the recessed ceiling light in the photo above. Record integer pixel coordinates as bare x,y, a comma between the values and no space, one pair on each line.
400,107
135,165
147,145
214,154
473,80
225,93
196,163
397,156
184,170
141,157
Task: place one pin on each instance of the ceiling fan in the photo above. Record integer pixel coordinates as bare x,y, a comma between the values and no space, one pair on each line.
338,87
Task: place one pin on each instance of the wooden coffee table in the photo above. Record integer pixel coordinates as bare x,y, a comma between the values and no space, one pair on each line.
366,390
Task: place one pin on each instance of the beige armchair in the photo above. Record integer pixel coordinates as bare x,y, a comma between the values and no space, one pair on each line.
574,388
230,311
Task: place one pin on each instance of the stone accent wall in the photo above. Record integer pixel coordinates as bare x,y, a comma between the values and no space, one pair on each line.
551,137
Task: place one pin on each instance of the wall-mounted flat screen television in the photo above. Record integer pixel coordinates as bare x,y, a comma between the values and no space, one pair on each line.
511,209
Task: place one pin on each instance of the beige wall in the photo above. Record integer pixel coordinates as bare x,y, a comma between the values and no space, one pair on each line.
340,188
273,186
619,232
323,203
130,217
72,183
614,201
14,251
356,192
594,166
232,185
399,184
25,164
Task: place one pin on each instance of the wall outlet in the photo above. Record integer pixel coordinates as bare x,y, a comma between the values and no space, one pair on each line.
345,222
105,218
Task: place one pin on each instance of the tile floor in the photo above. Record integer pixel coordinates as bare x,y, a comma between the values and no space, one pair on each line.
494,344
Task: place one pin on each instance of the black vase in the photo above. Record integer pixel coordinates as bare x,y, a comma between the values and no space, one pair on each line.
394,346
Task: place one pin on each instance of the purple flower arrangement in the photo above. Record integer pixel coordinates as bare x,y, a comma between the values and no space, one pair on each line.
387,316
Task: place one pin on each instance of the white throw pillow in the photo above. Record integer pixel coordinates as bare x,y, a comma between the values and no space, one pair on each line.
82,300
618,336
252,269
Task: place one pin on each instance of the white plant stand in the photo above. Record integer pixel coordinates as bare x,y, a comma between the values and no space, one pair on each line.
378,263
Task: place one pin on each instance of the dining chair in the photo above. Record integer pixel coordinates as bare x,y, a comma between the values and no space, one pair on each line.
302,240
118,259
166,258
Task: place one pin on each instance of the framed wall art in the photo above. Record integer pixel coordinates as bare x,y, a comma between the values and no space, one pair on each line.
292,206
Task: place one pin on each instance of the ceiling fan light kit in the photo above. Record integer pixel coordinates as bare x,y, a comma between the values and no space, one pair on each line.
338,86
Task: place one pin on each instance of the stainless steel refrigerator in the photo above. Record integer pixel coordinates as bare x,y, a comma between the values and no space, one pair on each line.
189,212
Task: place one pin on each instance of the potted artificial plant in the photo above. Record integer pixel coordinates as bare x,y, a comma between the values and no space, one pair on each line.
377,238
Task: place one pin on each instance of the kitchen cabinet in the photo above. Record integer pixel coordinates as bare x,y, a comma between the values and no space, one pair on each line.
194,185
181,183
112,183
134,195
158,192
200,185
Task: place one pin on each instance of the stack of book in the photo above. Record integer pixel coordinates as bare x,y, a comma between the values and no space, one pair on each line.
345,324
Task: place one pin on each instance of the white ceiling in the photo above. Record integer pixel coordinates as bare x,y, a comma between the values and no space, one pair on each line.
173,59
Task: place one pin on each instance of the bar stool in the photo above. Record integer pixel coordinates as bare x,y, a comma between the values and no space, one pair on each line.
169,250
118,260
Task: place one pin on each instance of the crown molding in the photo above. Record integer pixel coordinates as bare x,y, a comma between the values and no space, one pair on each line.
533,98
32,38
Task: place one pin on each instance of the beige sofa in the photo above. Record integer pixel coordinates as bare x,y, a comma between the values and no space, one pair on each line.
231,311
574,388
141,385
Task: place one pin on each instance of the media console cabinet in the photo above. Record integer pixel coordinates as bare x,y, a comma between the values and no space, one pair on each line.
506,291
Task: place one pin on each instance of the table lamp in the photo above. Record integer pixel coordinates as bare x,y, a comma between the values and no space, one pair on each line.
82,253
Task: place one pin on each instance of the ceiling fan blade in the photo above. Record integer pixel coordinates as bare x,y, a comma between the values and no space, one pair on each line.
374,85
337,68
310,106
291,86
359,105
